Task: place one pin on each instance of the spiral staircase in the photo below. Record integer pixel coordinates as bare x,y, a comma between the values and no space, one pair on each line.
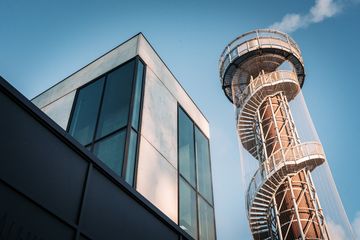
281,198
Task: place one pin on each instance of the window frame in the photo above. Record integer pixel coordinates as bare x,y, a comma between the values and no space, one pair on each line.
180,176
128,127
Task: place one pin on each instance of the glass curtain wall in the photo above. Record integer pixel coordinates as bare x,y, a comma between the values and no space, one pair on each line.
196,207
106,117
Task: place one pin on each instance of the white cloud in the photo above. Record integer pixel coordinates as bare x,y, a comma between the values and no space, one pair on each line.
289,23
320,11
356,226
336,231
324,9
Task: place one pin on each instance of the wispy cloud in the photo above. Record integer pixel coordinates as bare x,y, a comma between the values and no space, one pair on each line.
336,231
356,226
322,10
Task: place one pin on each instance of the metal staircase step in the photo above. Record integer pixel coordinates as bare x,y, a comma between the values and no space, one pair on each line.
271,189
258,199
257,218
258,213
259,209
264,195
259,222
261,230
260,204
266,191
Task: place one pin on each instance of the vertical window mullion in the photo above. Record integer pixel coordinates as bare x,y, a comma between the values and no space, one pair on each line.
72,110
98,115
130,113
140,122
196,184
80,112
178,164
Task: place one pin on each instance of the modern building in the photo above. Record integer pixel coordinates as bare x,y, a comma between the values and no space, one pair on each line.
125,155
262,73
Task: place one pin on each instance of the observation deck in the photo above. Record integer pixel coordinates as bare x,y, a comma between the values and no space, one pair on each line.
253,52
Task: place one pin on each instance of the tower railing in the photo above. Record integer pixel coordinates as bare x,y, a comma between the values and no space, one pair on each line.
311,153
261,38
264,79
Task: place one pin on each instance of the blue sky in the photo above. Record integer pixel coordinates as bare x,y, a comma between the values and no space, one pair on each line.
43,41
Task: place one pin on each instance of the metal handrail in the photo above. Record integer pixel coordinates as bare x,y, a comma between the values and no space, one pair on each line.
261,80
277,159
243,42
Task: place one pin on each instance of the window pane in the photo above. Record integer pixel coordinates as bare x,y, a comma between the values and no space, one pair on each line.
188,220
85,114
206,221
137,96
111,151
116,102
130,166
203,165
186,147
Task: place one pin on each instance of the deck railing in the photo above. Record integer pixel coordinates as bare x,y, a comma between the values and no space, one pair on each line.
309,150
261,38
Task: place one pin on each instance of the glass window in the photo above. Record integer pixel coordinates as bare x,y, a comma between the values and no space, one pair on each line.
206,221
186,147
130,165
203,165
137,96
111,151
116,101
194,167
100,117
188,211
84,117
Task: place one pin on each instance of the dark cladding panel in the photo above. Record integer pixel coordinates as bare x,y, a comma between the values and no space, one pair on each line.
42,175
82,237
37,163
21,219
110,213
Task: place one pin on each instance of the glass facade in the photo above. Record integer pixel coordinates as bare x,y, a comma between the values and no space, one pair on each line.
196,209
106,117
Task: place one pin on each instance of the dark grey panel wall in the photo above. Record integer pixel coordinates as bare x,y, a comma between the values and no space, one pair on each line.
38,164
22,219
51,189
102,206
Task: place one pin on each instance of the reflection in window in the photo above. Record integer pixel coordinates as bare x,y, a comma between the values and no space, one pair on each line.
137,97
206,221
111,151
130,166
82,126
188,218
203,165
102,115
186,147
195,186
116,103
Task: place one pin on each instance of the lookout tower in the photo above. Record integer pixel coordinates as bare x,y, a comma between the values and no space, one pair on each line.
281,198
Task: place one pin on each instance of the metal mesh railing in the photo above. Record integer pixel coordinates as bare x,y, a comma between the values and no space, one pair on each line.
256,39
278,159
261,80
